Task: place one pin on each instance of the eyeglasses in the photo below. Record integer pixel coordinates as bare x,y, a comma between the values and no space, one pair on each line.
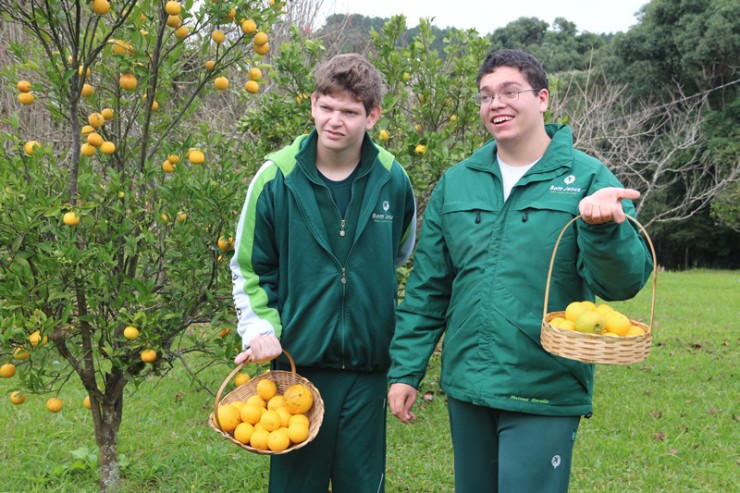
506,96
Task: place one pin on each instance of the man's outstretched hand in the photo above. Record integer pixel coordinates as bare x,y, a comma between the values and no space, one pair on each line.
606,205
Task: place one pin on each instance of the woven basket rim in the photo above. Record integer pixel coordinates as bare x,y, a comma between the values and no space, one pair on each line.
282,379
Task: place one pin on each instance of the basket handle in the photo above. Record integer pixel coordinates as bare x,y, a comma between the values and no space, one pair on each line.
652,251
232,375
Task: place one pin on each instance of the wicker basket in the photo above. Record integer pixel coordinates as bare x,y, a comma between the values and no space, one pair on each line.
595,348
283,380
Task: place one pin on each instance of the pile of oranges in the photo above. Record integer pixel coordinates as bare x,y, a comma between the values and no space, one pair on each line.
268,420
602,319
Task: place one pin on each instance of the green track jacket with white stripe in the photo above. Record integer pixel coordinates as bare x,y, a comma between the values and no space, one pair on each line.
287,281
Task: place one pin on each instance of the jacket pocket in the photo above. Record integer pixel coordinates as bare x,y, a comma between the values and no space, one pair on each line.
468,228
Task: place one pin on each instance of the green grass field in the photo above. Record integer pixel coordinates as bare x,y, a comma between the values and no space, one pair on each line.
668,424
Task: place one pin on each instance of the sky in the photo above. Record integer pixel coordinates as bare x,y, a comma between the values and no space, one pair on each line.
486,15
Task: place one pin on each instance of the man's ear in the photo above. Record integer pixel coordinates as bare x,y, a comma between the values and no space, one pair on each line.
373,116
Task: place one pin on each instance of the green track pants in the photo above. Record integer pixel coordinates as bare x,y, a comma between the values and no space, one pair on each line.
506,452
349,449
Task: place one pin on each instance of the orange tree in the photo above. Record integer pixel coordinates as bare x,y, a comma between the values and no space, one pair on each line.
120,215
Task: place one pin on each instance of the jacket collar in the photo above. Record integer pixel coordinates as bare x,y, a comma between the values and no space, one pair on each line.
559,153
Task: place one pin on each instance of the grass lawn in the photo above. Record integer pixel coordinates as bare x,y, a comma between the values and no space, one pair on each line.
668,424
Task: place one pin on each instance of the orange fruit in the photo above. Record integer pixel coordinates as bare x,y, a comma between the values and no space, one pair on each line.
23,86
276,402
590,322
87,130
249,26
172,7
226,245
252,87
100,7
131,333
278,440
299,418
95,139
181,216
263,49
270,420
241,379
7,370
127,81
35,339
26,98
298,399
71,218
228,417
107,114
95,120
298,432
174,21
635,330
573,310
251,413
108,147
54,404
17,398
86,402
121,47
87,149
173,158
420,149
261,38
284,416
210,65
148,356
87,90
167,166
257,401
266,389
182,32
218,36
243,432
196,157
221,83
30,146
617,324
259,439
255,73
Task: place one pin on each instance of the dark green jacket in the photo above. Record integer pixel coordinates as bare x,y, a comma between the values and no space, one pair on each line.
479,277
288,281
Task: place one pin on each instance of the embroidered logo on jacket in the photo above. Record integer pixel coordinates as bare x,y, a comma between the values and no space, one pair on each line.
567,188
385,216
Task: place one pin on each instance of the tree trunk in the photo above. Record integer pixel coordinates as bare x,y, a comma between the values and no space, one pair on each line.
107,417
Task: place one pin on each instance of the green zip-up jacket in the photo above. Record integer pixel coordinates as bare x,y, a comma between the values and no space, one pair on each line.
479,277
287,281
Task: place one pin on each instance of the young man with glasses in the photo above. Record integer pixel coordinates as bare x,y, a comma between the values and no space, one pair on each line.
325,223
479,277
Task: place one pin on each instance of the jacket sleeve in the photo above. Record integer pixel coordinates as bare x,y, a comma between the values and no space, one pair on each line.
254,266
614,258
409,226
420,318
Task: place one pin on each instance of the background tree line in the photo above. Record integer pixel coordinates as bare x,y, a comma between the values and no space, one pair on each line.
658,103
